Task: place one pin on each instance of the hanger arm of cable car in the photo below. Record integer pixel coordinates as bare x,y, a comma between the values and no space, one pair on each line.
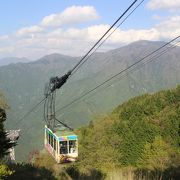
65,125
57,82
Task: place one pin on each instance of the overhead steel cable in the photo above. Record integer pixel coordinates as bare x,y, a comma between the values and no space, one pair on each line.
106,38
60,81
84,57
140,65
155,57
29,112
114,76
103,36
172,46
151,59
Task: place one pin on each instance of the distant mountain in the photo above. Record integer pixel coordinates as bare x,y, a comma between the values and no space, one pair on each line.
23,85
10,60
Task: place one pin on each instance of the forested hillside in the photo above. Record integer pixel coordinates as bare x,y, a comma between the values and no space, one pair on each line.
138,140
142,133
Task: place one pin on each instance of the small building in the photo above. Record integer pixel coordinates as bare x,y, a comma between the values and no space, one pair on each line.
13,136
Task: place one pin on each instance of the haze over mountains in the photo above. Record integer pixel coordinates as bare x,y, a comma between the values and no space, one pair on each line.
10,60
23,86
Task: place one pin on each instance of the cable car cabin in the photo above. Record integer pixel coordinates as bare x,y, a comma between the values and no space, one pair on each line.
62,145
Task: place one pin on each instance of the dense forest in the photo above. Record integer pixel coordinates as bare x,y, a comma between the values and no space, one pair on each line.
142,133
138,140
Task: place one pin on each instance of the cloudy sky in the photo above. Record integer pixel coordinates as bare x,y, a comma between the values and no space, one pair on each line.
35,28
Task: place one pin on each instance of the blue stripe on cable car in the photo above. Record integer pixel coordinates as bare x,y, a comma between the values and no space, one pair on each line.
72,137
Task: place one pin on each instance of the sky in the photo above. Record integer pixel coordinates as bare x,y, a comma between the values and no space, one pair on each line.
36,28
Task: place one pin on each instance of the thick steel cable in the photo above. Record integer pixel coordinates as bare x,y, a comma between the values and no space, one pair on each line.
109,79
103,35
29,112
32,109
148,61
107,38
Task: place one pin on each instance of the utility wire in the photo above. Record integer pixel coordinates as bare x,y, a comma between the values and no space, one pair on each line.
29,112
135,68
85,56
107,38
103,35
109,79
157,55
150,60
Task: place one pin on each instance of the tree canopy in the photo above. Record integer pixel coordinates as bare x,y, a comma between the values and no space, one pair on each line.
5,143
141,133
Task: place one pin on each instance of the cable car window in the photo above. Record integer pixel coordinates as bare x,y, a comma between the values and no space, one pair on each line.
49,140
54,144
72,146
63,147
47,137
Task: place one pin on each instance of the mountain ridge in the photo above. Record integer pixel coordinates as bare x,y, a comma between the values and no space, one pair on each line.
23,86
12,60
15,60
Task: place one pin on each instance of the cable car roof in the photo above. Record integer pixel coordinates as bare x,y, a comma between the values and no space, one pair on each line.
62,135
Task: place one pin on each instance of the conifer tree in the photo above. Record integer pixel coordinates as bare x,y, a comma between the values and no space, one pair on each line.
5,143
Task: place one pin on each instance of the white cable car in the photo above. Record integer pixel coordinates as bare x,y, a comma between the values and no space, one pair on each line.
62,145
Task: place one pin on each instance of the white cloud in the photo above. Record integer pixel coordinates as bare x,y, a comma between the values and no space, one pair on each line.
169,28
71,15
29,30
164,4
73,41
3,38
157,17
134,35
36,41
170,23
8,51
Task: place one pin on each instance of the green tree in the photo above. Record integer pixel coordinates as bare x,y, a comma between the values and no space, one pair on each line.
5,143
4,171
156,156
